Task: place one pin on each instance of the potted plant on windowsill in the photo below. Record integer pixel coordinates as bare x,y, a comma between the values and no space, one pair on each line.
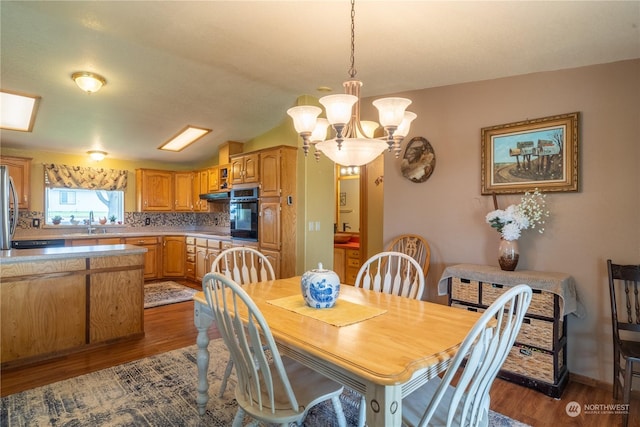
112,219
56,219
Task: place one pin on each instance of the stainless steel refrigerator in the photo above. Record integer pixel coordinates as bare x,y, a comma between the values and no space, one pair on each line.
9,219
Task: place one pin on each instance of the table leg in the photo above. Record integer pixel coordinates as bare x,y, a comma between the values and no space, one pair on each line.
384,406
202,321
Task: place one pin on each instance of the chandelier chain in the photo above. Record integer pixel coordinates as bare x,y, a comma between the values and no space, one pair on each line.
352,69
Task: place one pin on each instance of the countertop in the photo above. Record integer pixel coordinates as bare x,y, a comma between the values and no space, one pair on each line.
45,235
27,255
348,245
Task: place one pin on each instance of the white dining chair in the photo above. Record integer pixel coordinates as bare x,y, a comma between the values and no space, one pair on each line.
485,349
243,265
271,389
393,273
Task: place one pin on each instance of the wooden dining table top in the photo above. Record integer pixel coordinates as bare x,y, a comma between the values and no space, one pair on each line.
385,349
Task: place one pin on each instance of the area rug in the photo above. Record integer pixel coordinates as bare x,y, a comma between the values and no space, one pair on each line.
163,293
157,391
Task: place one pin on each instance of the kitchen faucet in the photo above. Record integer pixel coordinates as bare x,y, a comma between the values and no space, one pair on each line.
90,229
345,226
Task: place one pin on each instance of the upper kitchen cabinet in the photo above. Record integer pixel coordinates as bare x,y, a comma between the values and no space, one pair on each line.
277,171
200,186
183,191
214,181
154,190
245,169
20,171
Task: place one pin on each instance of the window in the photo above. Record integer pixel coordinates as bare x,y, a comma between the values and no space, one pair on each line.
67,197
73,193
74,206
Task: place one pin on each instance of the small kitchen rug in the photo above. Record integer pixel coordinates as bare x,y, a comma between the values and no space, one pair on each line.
164,293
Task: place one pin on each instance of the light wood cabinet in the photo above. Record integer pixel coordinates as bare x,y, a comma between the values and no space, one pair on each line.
269,226
352,265
93,242
346,264
154,190
270,176
224,177
213,183
63,305
200,186
20,171
201,259
227,150
173,260
153,257
339,263
277,208
183,191
245,169
190,258
206,250
274,259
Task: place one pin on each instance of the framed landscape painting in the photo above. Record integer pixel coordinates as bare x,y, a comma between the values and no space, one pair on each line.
539,153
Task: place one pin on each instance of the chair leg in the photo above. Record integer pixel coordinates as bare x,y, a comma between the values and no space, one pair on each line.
362,415
626,394
337,407
239,418
225,378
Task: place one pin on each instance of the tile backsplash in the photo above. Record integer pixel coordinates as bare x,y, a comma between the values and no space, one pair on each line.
133,220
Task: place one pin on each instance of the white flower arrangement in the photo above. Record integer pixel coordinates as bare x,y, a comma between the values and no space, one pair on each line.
529,213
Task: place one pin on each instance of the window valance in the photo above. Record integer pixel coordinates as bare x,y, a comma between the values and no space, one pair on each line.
65,176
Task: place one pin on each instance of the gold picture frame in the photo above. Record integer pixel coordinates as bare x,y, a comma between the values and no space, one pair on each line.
540,153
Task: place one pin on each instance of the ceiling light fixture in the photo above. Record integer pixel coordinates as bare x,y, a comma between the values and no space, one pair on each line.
97,155
184,138
354,143
88,81
18,111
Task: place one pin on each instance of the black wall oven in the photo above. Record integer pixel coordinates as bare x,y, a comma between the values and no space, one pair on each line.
243,213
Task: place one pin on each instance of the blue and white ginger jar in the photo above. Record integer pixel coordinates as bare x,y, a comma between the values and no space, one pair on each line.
320,287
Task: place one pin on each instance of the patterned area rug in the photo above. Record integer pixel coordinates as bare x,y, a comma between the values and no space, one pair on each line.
163,293
157,391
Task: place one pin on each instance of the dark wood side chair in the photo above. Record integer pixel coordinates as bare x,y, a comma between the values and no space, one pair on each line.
624,283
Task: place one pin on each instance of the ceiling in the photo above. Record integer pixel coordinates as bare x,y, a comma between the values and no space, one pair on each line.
236,66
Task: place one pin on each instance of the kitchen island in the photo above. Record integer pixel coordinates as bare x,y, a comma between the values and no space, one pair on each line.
54,301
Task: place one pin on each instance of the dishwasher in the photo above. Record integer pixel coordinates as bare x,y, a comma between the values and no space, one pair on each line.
37,243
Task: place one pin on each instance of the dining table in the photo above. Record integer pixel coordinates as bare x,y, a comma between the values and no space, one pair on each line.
380,345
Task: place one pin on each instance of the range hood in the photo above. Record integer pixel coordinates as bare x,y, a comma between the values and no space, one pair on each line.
216,196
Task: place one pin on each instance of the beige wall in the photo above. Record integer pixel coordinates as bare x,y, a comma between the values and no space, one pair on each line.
600,221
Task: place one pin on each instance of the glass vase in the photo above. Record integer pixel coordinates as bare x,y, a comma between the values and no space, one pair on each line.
508,254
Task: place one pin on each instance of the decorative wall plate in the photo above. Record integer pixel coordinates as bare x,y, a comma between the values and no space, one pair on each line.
419,160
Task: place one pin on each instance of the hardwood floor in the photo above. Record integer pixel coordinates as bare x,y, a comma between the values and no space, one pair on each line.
170,327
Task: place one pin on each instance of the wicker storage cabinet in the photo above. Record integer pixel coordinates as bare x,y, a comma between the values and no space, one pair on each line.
538,358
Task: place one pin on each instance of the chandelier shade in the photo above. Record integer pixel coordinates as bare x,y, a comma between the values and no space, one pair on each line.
357,152
304,117
354,142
